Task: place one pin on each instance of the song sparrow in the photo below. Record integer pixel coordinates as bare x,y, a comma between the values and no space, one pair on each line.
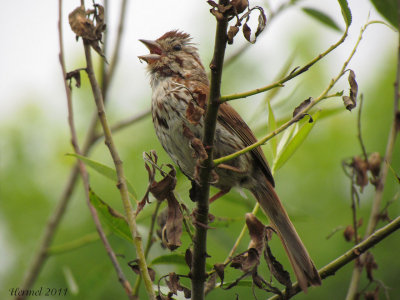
180,87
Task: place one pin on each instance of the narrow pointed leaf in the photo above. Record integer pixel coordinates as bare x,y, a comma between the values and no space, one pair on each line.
321,17
294,143
345,12
104,170
111,217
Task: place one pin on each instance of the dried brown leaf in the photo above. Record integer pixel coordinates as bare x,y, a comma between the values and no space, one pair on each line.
348,233
276,268
257,233
360,167
262,21
350,101
173,228
188,258
173,283
301,106
374,163
370,265
212,3
240,5
246,32
76,74
233,30
135,268
353,86
220,270
163,189
218,15
83,27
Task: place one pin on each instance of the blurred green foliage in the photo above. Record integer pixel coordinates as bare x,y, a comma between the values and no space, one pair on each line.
311,184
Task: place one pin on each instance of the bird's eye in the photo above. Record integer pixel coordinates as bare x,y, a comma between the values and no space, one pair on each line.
177,47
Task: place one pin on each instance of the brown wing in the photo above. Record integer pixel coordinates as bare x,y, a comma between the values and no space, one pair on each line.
230,119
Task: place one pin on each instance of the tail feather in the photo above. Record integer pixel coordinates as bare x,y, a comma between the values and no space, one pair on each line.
299,258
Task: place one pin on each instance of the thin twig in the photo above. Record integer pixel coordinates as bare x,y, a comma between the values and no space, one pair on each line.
376,205
149,243
359,133
122,187
293,74
331,268
82,168
200,238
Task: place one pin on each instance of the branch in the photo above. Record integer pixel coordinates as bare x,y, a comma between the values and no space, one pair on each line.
98,97
356,251
55,218
280,82
305,110
84,174
376,205
148,245
200,237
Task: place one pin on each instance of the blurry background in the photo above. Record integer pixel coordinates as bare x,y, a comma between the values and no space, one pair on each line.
34,137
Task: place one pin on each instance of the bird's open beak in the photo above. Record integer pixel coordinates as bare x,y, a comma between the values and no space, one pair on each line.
155,51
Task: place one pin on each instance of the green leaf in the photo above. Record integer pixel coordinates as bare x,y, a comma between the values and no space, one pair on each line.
271,127
388,9
169,259
104,170
322,17
294,143
111,217
345,12
173,259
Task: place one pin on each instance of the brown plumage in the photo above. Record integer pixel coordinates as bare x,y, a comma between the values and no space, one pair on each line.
180,88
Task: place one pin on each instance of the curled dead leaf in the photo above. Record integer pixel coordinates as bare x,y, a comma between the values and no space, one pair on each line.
374,163
257,233
91,32
350,101
348,233
188,257
370,265
360,167
172,230
276,268
76,74
135,268
300,107
233,30
220,270
240,5
174,285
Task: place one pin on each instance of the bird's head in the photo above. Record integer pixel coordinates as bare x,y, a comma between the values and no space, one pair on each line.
173,54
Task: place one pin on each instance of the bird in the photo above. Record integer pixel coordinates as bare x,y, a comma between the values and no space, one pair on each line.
180,88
